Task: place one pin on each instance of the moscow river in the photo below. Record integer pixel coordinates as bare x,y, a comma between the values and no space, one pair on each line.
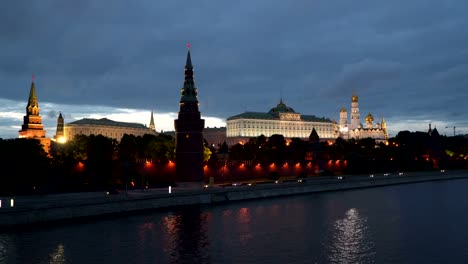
410,223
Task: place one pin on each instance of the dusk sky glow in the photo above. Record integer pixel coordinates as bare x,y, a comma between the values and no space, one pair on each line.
406,60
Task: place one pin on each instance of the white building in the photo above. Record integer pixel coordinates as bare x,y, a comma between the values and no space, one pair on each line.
282,120
106,127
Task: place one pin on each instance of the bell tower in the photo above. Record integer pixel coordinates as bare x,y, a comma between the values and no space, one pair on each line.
189,131
355,116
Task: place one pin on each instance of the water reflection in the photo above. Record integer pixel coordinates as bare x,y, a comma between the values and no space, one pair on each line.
58,255
243,218
351,242
3,248
185,236
361,226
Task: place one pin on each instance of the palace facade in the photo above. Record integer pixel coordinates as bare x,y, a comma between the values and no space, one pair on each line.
355,129
106,127
282,120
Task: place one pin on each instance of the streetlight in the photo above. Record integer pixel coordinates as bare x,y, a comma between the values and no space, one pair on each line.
453,129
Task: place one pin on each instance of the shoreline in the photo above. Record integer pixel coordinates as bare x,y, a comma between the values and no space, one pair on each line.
47,209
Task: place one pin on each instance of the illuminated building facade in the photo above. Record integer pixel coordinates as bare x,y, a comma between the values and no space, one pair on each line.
355,129
32,122
215,136
282,120
106,127
189,131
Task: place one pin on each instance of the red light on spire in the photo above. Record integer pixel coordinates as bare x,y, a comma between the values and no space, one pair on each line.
32,77
188,45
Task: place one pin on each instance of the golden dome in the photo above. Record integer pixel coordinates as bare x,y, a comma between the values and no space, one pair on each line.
369,118
343,110
354,98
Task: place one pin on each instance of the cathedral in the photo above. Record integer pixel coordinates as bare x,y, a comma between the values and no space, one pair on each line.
355,129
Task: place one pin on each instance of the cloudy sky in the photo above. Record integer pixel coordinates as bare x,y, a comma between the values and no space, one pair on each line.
406,60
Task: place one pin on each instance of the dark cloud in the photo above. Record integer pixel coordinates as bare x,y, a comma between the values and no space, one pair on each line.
403,58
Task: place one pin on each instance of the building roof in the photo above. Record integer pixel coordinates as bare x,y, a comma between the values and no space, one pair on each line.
268,116
105,122
274,114
281,108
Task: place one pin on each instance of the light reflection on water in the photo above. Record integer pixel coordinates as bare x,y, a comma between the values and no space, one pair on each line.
351,241
383,225
58,255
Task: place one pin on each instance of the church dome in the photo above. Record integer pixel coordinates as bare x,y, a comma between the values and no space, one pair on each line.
369,118
343,110
354,98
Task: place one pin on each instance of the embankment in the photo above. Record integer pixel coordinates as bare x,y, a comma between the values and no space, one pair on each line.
49,208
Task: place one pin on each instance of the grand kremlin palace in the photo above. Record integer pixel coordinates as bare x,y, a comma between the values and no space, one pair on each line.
281,120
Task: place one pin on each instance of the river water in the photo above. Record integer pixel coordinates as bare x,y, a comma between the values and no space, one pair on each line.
411,223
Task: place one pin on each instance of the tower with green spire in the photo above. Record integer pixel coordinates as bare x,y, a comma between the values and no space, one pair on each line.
189,131
32,122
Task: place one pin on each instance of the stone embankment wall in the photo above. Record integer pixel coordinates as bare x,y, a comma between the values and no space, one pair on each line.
45,209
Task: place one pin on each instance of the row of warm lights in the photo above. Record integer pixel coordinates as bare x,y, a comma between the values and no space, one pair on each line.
337,162
272,165
147,164
258,166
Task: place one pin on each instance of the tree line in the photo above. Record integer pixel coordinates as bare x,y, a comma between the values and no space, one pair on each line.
89,163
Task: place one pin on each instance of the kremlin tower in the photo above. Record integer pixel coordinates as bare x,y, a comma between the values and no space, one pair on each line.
59,133
189,131
32,122
152,126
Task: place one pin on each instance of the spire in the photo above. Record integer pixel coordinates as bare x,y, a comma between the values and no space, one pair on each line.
32,91
152,125
188,100
33,107
281,96
188,63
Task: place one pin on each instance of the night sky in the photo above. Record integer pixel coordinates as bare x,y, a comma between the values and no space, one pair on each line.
406,60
